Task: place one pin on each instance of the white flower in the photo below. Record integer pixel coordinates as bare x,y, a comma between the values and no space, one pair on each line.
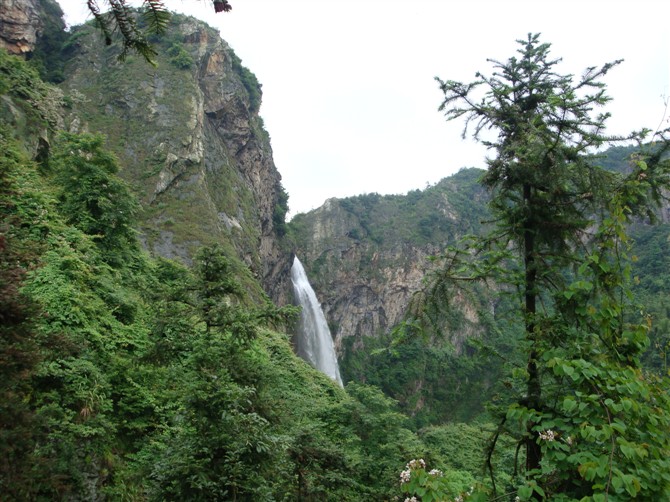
435,472
569,440
413,499
547,435
416,464
404,476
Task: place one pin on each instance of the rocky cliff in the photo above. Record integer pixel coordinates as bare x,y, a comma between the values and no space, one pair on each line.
191,142
20,25
367,255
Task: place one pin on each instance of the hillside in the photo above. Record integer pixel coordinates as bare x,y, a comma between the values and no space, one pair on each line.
145,344
127,376
368,255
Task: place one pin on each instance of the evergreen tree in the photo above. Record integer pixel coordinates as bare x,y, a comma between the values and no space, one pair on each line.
135,32
558,236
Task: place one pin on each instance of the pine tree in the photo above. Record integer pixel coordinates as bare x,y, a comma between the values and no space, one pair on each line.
559,242
135,31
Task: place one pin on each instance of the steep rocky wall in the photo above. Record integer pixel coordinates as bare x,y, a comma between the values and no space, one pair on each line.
20,25
364,289
366,256
189,141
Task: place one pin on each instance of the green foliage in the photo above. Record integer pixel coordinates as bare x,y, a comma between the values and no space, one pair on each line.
91,197
651,250
19,79
179,56
32,104
435,485
47,55
279,213
18,351
561,246
432,382
250,83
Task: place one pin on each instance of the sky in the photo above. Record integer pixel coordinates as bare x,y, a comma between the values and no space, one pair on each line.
349,96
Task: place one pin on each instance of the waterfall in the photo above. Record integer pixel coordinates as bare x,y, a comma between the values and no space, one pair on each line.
314,342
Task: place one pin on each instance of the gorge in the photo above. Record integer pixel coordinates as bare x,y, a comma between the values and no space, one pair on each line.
148,343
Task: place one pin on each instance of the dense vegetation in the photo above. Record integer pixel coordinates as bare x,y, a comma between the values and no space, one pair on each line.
591,421
131,378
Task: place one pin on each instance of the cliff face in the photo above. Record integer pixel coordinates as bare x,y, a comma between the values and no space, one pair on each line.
190,141
20,25
366,256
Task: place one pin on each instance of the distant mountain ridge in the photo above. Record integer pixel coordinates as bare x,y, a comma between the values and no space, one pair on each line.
367,255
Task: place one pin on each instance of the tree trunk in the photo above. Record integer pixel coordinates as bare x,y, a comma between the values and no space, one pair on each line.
534,389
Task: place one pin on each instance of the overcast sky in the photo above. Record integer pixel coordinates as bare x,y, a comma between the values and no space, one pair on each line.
349,96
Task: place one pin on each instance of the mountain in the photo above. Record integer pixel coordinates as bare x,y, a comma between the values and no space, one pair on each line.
368,255
190,140
144,260
126,375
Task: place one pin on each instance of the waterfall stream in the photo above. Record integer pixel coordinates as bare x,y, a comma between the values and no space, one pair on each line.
314,342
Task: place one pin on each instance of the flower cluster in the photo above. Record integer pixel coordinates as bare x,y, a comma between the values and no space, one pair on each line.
547,435
435,472
416,464
412,464
413,499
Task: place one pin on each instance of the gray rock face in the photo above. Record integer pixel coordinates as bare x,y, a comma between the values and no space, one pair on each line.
189,143
20,25
364,290
367,256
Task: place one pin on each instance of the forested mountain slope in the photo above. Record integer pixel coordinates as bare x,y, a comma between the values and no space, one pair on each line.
142,356
131,377
369,254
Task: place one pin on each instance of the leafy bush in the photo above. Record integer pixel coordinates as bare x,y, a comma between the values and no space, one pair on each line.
91,196
179,56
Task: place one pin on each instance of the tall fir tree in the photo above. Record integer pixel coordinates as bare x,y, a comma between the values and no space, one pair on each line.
559,235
